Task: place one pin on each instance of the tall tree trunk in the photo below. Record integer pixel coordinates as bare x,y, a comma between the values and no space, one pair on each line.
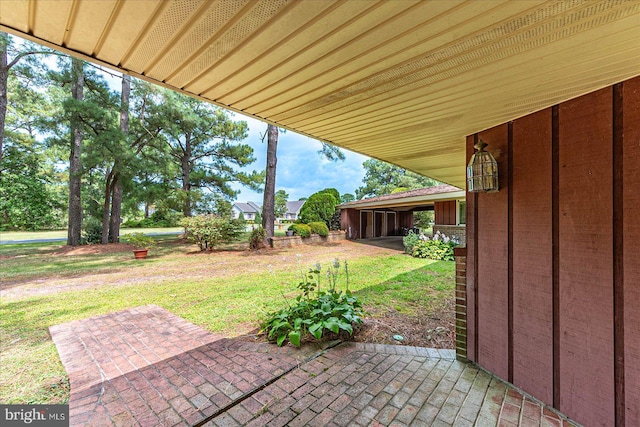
105,207
75,160
268,203
186,173
116,210
4,78
116,196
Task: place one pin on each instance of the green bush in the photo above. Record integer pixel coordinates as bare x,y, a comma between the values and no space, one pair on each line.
139,240
328,315
319,228
209,231
434,249
92,230
161,219
319,206
410,241
302,230
257,238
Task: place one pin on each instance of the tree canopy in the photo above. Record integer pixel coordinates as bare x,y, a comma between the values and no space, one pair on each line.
383,178
280,205
70,138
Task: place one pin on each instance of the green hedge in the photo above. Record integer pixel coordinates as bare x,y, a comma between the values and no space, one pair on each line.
302,230
319,228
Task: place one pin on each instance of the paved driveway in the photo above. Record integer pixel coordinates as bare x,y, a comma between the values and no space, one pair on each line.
148,367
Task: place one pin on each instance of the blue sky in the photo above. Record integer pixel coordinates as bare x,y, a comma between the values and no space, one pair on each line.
300,171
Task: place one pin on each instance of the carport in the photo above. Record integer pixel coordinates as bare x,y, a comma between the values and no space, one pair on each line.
392,214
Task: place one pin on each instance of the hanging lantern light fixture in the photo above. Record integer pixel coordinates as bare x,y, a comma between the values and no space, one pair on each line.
482,171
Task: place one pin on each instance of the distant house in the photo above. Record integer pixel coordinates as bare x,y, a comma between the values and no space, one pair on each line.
293,210
248,210
392,214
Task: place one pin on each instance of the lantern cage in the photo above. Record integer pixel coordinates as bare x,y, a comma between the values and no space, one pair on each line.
482,171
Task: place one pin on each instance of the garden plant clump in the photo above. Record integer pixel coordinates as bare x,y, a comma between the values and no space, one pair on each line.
439,247
209,231
316,313
257,238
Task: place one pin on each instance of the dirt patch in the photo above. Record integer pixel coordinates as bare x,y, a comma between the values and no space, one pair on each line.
435,330
110,248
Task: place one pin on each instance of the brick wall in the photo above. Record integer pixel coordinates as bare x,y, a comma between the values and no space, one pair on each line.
291,241
460,255
459,231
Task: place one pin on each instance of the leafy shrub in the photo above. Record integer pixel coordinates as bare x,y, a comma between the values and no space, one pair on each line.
139,240
211,230
331,313
319,228
302,230
410,241
335,193
335,222
92,230
161,219
434,249
319,206
257,238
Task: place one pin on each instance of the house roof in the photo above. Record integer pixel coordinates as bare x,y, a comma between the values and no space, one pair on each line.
409,199
402,81
295,206
249,207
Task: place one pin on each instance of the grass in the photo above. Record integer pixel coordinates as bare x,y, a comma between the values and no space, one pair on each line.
9,236
31,371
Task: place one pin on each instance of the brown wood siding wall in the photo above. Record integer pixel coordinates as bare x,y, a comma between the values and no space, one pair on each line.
350,218
445,212
631,248
549,302
492,255
405,219
586,267
532,263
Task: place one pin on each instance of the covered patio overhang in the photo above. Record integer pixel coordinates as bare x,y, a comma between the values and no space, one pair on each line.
402,81
552,284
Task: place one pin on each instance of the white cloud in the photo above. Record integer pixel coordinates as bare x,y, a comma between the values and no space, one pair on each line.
301,171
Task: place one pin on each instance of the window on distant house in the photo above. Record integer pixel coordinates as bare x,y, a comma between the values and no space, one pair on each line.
462,212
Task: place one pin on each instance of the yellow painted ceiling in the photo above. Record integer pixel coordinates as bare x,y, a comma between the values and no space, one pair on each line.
402,81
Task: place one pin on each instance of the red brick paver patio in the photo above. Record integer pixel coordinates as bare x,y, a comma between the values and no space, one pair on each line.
148,367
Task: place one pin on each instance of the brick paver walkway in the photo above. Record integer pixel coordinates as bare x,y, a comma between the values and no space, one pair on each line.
148,367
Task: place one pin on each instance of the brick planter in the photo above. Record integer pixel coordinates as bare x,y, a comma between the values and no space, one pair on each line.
278,242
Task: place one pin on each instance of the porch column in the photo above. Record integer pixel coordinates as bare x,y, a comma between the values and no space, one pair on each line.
460,255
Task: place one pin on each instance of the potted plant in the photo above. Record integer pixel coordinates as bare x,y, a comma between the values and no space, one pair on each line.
141,242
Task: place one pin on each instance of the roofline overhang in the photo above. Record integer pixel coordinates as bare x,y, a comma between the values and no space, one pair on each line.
408,201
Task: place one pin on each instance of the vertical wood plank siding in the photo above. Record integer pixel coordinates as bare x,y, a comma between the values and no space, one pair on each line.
555,256
586,264
492,263
532,256
631,256
445,212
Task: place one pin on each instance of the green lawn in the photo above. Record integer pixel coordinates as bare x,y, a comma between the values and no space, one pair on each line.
6,236
225,292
